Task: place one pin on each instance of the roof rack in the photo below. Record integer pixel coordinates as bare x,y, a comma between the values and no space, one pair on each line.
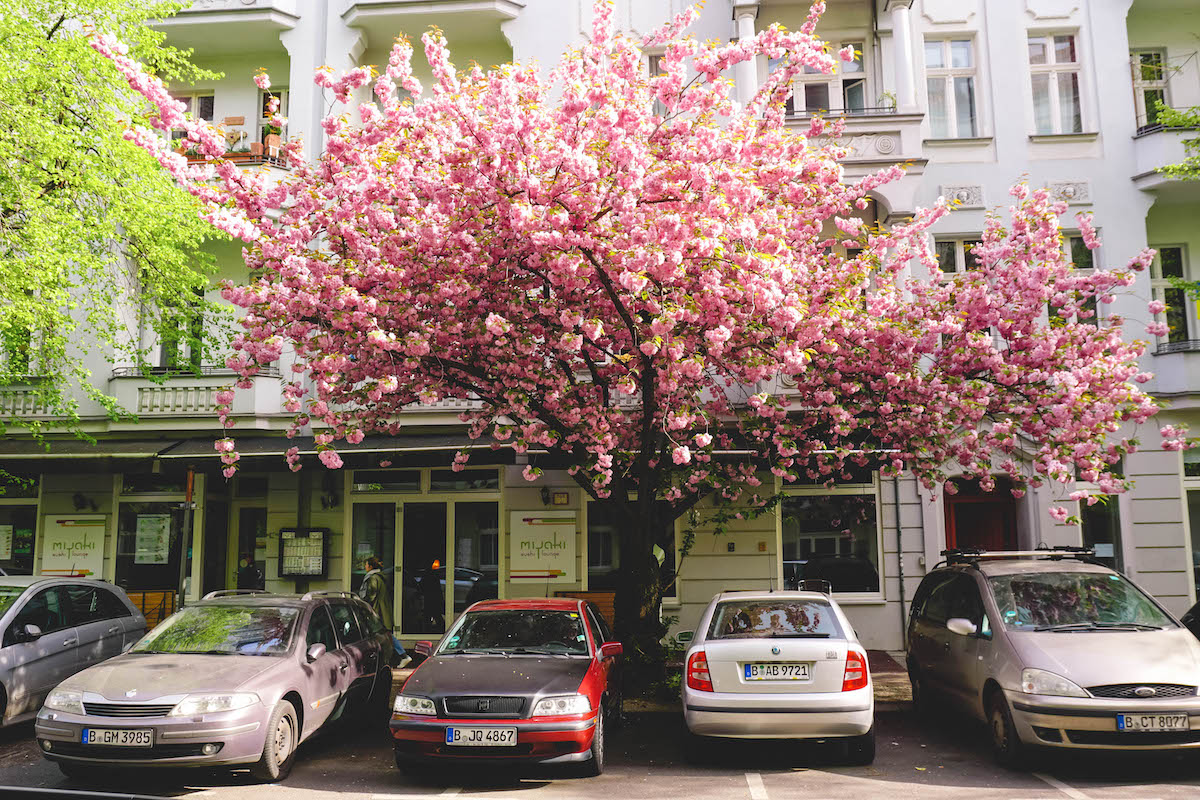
815,585
326,593
969,555
234,593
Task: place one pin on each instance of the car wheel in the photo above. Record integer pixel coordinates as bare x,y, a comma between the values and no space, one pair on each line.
920,694
1006,743
860,750
595,763
279,749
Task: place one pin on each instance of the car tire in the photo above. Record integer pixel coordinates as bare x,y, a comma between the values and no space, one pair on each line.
595,763
921,701
279,749
860,750
374,709
1006,742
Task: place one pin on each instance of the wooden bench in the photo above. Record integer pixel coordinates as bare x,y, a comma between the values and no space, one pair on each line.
603,600
155,605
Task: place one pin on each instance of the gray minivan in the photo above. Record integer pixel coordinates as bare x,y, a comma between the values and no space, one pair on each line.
53,628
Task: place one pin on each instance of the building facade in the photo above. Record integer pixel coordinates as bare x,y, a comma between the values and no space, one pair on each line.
970,95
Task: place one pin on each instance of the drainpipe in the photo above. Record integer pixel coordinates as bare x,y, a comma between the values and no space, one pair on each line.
900,561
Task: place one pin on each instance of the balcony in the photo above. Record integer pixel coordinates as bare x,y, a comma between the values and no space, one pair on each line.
230,26
462,21
182,395
1156,147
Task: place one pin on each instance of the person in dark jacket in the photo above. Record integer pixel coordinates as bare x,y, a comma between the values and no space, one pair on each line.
377,593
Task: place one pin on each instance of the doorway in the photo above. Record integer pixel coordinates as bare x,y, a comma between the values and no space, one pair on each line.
981,520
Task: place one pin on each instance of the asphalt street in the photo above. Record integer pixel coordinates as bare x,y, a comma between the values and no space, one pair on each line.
944,758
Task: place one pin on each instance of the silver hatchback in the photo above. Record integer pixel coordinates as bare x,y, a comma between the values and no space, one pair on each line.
1053,651
52,629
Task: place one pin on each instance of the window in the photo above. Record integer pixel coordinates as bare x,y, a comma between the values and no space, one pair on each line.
1054,68
368,620
182,335
17,524
1082,259
950,84
654,67
469,480
1171,262
1149,85
476,553
265,125
1193,503
200,106
604,546
606,634
320,629
845,89
766,619
48,609
1102,529
956,255
345,624
833,535
396,480
93,604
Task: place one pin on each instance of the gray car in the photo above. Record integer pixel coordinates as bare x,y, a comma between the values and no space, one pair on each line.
240,678
52,629
1053,652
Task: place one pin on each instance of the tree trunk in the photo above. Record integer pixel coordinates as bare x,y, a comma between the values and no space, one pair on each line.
637,605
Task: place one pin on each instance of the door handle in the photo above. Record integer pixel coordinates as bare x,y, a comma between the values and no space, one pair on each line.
114,629
946,646
70,642
343,667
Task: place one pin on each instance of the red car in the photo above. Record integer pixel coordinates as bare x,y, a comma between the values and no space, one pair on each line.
532,680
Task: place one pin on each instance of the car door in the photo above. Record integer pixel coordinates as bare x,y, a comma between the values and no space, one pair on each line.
354,651
611,666
325,680
100,632
374,655
41,664
927,626
960,663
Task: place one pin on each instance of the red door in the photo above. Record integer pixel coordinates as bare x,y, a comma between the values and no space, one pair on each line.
982,520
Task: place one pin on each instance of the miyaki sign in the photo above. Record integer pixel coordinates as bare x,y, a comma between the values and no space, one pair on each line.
73,547
541,546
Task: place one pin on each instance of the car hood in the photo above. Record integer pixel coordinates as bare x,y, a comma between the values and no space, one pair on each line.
526,676
150,676
1099,658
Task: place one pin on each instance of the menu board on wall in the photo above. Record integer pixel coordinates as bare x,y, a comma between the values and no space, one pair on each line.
6,537
73,546
303,553
152,543
542,546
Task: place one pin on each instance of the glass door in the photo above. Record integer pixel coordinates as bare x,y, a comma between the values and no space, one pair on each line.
423,569
251,547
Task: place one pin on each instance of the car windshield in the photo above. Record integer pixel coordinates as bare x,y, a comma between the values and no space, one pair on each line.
781,619
1074,600
223,630
9,595
519,632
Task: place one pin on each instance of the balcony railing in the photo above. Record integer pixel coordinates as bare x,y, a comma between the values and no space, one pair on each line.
192,392
1183,346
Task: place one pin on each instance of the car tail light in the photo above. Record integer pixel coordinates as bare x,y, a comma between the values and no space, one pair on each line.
856,671
697,672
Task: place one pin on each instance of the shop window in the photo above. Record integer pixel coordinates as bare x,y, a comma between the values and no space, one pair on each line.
392,480
152,483
148,546
476,553
1101,527
447,480
832,536
374,535
17,526
423,598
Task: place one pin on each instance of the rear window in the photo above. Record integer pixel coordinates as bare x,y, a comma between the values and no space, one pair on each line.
774,619
223,630
1049,600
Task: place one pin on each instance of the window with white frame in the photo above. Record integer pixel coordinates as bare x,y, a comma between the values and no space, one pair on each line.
956,255
1054,71
200,105
1180,316
265,124
843,90
1149,84
654,67
832,533
950,88
1083,260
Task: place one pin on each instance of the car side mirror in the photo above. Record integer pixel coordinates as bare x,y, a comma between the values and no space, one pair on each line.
30,633
683,637
611,649
423,648
961,626
315,651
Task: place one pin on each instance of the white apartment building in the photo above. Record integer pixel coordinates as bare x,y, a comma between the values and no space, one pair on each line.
972,95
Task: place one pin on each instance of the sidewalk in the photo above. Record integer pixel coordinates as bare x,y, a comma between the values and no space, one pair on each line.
891,685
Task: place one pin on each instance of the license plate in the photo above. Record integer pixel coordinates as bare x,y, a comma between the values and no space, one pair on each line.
1152,722
115,737
775,671
481,737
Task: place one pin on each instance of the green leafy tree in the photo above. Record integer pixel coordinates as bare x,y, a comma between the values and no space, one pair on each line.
1189,119
96,240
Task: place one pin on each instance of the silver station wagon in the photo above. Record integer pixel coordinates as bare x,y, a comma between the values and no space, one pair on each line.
1053,651
240,678
53,628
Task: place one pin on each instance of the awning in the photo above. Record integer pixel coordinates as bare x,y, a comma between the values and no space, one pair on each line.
250,446
72,448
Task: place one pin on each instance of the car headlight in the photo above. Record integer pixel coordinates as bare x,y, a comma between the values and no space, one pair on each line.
566,704
1039,681
407,704
67,700
196,704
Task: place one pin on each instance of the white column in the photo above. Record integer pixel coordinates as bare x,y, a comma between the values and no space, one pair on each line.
906,87
746,72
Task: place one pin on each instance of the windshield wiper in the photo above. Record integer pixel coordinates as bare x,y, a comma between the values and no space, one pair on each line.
471,651
528,651
208,653
1067,627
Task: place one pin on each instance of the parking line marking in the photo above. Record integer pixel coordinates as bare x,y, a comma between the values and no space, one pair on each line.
453,790
1069,791
757,790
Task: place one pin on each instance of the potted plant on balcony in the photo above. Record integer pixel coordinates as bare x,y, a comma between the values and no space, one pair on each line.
272,141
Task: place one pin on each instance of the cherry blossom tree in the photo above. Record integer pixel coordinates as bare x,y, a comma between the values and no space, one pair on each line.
621,268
